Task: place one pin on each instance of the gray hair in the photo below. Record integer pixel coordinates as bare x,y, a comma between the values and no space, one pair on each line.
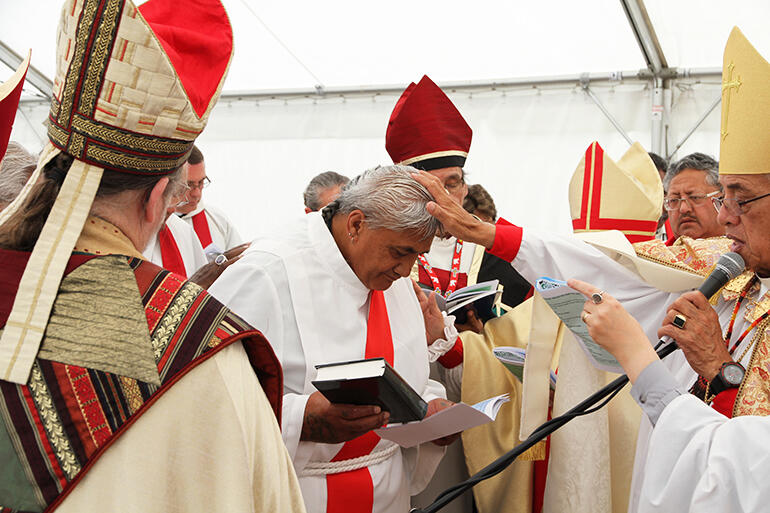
15,169
318,184
698,162
390,198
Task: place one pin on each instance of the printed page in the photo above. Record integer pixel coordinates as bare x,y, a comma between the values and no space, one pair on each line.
567,304
447,422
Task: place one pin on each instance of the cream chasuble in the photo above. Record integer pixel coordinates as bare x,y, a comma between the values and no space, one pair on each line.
243,467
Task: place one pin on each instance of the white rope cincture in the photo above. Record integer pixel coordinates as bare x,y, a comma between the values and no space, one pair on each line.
320,468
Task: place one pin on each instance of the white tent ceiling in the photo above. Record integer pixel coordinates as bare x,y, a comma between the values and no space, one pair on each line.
288,45
271,133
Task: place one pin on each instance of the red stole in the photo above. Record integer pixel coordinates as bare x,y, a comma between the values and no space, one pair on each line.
353,491
169,252
201,227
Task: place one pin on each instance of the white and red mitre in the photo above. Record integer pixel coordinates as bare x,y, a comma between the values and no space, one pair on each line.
132,91
626,195
10,94
426,130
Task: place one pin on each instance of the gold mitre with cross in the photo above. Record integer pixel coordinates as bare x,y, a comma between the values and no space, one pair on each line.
133,89
745,138
626,195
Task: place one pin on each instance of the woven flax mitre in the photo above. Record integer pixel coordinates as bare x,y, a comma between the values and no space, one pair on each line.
132,91
625,196
745,139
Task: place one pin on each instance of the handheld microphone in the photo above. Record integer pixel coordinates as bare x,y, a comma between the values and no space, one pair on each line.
729,266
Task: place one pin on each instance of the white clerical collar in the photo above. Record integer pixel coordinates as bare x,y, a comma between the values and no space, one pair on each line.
322,240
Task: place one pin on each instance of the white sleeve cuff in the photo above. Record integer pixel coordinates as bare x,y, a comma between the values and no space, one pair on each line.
441,346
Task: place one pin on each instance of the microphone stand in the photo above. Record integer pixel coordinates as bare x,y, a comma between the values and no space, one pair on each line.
539,434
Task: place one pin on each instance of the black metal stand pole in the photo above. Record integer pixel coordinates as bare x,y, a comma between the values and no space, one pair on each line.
539,434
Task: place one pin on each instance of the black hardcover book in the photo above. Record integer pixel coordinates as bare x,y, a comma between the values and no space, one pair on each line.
371,381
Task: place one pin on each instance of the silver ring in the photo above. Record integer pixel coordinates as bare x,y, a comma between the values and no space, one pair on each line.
596,297
679,321
220,259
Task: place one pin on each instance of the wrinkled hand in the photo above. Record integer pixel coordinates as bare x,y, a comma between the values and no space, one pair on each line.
330,423
472,322
208,273
453,216
435,406
434,321
701,338
613,328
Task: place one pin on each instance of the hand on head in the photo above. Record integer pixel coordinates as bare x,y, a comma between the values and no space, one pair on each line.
453,216
613,328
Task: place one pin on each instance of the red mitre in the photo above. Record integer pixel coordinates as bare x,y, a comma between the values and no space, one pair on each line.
426,130
10,93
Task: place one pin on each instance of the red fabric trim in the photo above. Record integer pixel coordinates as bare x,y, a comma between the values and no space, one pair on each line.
540,475
161,298
169,252
8,107
201,227
507,240
42,436
454,356
13,264
353,491
151,401
592,191
608,223
198,40
671,240
97,426
725,401
503,221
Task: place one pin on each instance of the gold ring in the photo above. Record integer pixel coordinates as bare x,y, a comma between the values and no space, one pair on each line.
679,321
583,316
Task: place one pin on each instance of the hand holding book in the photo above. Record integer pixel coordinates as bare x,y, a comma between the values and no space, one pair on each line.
330,423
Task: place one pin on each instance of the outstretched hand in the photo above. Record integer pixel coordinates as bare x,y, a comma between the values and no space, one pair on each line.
207,274
613,328
453,216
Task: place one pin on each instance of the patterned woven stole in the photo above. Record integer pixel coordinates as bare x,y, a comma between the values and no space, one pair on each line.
201,227
169,252
353,491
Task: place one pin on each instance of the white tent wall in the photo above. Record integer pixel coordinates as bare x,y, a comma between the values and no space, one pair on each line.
526,144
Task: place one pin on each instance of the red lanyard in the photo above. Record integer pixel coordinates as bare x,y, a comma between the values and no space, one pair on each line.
454,273
759,319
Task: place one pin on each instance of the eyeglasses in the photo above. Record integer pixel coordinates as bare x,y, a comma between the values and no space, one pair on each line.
693,201
184,188
453,185
199,185
734,206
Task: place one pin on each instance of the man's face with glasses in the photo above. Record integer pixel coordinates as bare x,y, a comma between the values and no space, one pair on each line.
688,202
196,182
453,181
745,213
